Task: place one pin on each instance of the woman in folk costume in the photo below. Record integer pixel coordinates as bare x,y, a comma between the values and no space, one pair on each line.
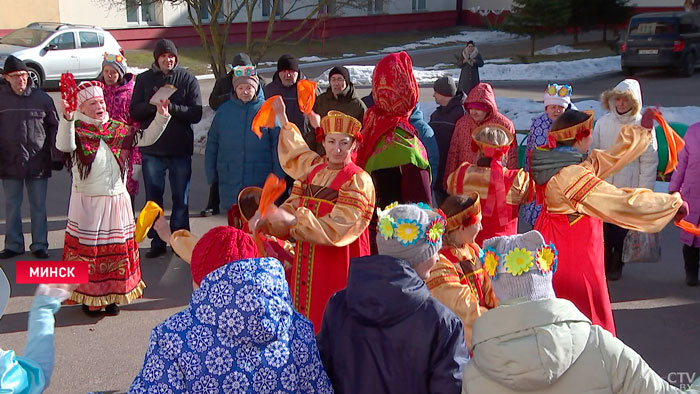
458,279
392,152
327,213
557,98
118,89
100,226
576,200
481,109
501,190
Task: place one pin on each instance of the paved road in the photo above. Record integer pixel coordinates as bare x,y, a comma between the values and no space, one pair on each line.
656,314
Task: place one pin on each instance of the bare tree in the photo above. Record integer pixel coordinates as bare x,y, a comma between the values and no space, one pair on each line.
212,20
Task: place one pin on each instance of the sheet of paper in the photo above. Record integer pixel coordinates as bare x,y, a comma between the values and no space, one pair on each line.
162,94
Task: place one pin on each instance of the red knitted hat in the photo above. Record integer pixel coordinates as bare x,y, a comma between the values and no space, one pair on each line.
220,246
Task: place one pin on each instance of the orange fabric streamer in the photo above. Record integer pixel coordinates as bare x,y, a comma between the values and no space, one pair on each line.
306,95
673,140
273,188
688,227
265,117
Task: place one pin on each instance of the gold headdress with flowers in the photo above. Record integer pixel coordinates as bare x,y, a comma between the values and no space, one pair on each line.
336,122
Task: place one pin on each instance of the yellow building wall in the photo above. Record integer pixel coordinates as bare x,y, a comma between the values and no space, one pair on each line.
15,14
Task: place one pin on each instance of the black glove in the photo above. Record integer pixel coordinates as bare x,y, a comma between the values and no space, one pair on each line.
57,165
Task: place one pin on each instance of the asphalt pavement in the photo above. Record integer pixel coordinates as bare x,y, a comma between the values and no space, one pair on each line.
656,314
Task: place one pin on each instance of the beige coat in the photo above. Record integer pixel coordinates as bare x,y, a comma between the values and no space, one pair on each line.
549,347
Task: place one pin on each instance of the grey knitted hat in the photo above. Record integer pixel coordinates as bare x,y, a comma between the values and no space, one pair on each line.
402,232
521,278
445,86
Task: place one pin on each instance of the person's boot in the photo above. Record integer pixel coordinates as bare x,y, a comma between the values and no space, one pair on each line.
691,273
213,203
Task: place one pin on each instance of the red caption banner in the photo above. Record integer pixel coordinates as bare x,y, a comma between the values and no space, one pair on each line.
35,272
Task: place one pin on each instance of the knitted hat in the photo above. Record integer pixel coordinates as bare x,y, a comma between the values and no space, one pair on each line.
445,86
287,62
341,71
557,95
411,232
220,246
164,46
245,74
88,90
521,266
13,64
241,59
116,61
4,291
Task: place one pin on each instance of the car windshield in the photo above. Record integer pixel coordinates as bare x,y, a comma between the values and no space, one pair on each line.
652,27
25,37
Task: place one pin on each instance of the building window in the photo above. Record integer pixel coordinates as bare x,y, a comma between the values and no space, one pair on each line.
140,12
418,5
267,7
375,6
327,7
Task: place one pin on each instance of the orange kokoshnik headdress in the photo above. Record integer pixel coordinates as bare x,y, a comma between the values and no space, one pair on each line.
575,132
337,122
467,216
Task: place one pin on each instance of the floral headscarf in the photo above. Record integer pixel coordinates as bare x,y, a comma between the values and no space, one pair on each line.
395,92
238,334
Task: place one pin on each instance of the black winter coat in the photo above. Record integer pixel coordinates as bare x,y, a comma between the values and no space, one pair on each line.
28,126
294,114
385,334
185,108
443,120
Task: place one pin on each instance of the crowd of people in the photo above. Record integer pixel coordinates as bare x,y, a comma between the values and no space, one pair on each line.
405,271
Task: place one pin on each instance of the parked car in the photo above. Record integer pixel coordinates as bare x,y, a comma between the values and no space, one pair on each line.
50,49
662,39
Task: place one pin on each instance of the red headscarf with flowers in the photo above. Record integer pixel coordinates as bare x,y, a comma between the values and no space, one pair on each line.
395,92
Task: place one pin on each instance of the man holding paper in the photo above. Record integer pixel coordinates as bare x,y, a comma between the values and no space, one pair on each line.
172,152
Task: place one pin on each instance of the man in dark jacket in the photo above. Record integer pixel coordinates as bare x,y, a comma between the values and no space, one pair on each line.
28,125
442,120
340,96
220,94
384,333
173,151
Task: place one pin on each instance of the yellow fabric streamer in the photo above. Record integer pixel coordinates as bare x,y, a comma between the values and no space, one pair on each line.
147,216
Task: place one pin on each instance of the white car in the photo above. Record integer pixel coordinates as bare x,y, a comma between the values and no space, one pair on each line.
50,49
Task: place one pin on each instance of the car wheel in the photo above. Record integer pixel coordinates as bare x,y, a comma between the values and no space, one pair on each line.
628,71
35,76
688,66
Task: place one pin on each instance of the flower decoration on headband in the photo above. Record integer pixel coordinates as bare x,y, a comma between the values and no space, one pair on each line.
387,226
518,261
408,231
546,259
244,71
113,58
423,205
489,260
555,89
392,205
436,228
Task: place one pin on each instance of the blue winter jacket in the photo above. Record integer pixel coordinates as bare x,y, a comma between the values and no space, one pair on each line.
234,155
385,334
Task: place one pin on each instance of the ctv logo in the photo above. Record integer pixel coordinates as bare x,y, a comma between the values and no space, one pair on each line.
35,272
682,380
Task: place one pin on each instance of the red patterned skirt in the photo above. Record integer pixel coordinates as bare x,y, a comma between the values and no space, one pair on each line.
100,230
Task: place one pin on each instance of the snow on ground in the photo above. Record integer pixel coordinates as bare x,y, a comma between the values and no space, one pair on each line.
542,71
348,54
557,49
479,37
308,59
499,60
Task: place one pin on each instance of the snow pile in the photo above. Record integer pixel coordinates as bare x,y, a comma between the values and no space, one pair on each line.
499,60
557,49
479,37
542,71
308,59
